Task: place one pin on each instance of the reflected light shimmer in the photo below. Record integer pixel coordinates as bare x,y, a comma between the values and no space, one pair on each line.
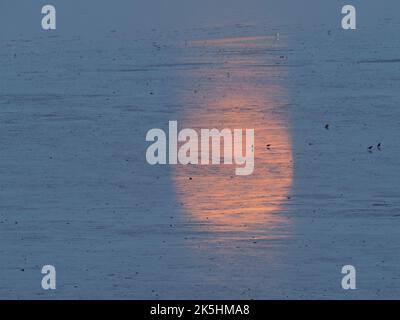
238,95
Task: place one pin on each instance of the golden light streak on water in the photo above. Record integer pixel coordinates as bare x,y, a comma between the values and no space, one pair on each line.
238,95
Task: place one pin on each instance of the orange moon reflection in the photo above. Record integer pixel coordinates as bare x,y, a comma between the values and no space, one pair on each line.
214,196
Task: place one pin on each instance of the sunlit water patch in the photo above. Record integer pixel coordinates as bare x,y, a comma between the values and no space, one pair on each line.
239,91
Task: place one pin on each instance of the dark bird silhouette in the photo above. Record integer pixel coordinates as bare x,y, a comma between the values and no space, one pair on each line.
327,126
379,146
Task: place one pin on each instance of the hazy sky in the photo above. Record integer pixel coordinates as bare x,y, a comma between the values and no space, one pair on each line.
90,17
